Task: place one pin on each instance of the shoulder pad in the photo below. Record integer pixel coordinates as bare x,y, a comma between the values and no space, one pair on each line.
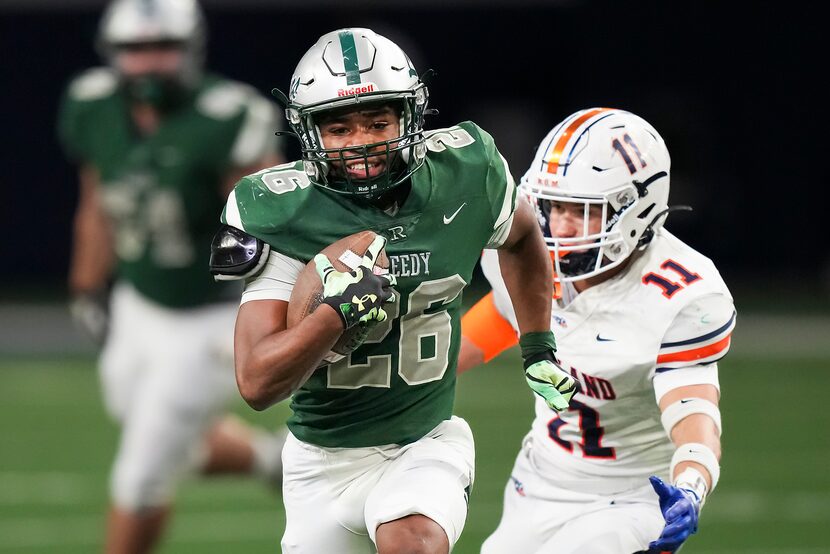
93,84
235,254
224,100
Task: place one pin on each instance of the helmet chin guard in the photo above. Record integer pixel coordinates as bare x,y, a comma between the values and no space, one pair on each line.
607,158
352,69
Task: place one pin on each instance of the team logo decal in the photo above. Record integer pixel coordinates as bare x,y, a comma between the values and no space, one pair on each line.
397,233
360,301
518,486
295,84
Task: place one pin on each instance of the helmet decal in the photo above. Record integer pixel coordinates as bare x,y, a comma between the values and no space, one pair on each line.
562,141
351,63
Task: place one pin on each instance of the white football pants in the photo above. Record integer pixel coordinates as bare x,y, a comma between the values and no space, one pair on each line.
166,376
335,498
542,518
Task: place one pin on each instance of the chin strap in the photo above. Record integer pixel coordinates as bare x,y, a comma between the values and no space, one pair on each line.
642,188
280,97
287,134
648,234
426,78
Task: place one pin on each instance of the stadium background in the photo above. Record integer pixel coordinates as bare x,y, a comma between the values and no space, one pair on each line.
733,89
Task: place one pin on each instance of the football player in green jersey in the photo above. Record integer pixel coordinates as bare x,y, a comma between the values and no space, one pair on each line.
375,459
159,143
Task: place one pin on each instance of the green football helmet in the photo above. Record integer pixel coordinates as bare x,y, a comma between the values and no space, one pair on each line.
356,67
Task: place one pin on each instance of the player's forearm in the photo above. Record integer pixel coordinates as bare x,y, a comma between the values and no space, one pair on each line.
696,428
279,363
92,256
92,252
525,268
469,356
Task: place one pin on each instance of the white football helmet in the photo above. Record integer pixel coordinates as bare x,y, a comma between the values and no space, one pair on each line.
606,157
350,67
128,23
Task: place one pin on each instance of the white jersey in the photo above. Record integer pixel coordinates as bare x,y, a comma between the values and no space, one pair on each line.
660,324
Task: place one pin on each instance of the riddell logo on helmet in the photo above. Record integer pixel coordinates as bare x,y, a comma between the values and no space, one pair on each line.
367,87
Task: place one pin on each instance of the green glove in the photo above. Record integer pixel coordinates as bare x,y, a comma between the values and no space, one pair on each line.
357,296
555,385
543,373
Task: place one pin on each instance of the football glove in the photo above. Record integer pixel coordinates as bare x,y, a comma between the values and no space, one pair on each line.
357,296
555,385
90,314
681,508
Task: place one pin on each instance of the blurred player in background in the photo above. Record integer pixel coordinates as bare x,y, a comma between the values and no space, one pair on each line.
375,458
159,144
641,320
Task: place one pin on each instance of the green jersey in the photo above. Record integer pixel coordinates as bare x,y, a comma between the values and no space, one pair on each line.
162,191
400,383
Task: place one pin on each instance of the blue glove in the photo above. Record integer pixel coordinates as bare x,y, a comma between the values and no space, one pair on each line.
681,508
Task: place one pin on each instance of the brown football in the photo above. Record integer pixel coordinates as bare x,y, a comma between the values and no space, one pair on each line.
307,294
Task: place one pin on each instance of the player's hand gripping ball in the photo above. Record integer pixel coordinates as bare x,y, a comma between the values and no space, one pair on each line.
358,295
350,275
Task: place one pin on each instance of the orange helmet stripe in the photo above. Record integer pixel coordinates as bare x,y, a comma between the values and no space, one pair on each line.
553,161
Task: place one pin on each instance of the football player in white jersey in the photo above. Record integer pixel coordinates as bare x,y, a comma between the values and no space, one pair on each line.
641,320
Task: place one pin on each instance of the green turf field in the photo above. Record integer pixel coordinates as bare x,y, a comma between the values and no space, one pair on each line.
56,446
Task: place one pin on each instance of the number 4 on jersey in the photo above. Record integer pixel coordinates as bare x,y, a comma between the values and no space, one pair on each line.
671,287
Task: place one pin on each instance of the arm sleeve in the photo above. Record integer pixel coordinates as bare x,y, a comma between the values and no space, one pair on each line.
699,336
275,281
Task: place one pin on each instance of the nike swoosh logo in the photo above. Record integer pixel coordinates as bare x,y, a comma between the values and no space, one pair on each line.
686,400
448,220
600,339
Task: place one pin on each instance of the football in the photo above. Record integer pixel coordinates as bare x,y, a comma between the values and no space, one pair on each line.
345,255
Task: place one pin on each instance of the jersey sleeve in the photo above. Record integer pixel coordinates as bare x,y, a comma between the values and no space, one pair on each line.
252,208
697,338
501,298
70,129
501,188
275,281
259,206
74,133
256,138
244,121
